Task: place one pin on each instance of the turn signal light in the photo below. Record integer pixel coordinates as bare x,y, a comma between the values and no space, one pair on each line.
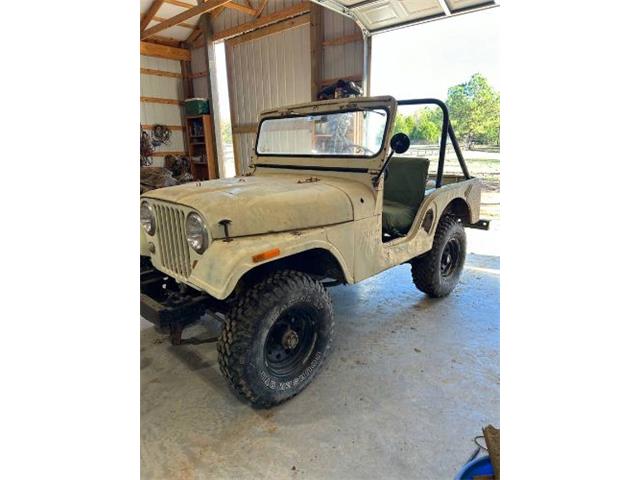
261,257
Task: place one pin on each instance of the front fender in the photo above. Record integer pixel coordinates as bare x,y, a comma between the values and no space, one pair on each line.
224,263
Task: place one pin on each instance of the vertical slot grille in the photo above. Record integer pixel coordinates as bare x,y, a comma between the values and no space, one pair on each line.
173,248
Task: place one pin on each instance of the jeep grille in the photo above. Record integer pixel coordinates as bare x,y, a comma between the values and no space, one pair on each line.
173,247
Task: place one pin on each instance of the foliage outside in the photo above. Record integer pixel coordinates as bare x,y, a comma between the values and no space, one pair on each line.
474,108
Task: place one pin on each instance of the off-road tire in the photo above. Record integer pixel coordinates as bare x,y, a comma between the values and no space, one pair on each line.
248,329
426,270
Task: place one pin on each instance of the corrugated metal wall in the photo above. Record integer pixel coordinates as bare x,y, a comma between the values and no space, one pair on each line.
345,60
157,113
198,65
275,70
264,73
232,18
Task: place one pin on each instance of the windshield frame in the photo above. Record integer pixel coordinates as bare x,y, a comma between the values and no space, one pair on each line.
320,113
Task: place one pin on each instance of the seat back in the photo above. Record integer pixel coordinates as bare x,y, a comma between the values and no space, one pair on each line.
406,180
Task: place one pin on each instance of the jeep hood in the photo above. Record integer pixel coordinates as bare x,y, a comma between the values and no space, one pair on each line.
261,204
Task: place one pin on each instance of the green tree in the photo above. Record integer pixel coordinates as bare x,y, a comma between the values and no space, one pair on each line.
474,107
226,132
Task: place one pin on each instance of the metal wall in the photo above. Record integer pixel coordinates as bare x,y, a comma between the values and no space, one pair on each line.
267,72
339,61
199,65
157,113
232,18
275,70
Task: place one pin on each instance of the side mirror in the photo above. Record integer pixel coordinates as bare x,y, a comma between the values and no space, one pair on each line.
400,143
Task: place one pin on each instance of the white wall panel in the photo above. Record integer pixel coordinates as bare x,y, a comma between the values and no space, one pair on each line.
161,87
198,65
268,72
158,113
341,60
160,64
151,113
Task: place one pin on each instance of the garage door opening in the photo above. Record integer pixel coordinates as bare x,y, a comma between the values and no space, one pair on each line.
228,165
456,60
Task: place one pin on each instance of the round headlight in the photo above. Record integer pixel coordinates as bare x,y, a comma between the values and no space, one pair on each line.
196,233
147,220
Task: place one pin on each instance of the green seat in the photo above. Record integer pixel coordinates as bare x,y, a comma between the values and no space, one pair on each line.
404,188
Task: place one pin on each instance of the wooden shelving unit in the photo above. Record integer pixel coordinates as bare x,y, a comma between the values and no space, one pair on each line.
200,147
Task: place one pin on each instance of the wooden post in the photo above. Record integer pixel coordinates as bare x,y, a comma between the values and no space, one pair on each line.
187,92
316,32
212,93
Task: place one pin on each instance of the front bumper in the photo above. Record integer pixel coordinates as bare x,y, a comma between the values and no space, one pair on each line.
167,304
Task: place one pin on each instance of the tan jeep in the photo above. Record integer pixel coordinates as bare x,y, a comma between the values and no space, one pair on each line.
325,203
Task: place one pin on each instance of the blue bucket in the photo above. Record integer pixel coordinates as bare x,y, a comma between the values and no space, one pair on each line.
478,466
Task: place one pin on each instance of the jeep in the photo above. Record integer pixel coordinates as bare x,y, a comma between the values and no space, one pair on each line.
327,200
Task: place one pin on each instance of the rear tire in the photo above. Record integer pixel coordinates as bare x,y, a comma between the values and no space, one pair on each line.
437,272
276,338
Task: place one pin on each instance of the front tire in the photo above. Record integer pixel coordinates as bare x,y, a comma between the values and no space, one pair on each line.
437,272
276,338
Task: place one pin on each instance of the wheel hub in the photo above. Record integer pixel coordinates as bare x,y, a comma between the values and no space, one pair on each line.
290,342
450,257
290,339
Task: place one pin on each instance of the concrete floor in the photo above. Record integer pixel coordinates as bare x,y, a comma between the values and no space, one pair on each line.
408,385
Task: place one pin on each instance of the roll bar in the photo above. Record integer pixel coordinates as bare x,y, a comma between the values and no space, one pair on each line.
447,130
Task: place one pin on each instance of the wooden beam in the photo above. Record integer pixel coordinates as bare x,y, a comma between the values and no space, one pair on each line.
148,16
181,17
242,8
278,16
163,51
216,13
199,74
190,26
165,101
195,34
170,127
178,3
261,7
315,41
168,41
271,29
159,73
356,37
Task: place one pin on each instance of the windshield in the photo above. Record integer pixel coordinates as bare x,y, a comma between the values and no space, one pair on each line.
348,134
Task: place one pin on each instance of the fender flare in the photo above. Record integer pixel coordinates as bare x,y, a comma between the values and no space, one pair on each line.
225,263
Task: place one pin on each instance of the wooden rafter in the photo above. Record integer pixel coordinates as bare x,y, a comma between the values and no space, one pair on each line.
271,29
178,3
261,7
148,16
216,13
160,40
242,8
195,34
299,9
182,17
190,26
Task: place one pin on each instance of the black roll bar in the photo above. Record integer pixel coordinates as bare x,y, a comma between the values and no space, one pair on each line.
447,130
